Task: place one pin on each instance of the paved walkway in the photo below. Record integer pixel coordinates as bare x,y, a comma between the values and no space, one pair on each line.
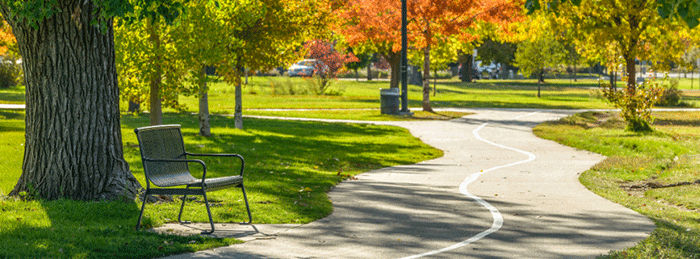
499,192
11,106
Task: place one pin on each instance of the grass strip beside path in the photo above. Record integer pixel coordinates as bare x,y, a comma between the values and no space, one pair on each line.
269,93
361,115
657,175
290,167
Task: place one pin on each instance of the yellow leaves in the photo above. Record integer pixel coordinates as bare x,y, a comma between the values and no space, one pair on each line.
7,39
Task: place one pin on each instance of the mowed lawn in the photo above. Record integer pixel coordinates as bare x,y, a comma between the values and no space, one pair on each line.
269,93
657,175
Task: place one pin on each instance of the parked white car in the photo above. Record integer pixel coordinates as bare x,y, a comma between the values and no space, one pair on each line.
305,68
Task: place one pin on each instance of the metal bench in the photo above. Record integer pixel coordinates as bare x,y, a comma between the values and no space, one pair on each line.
166,166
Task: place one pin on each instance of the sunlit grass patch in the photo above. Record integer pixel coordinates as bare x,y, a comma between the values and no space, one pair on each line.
360,114
654,174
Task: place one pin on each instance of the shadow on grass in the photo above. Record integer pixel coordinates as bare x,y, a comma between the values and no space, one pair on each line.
12,121
513,84
672,122
12,95
76,229
284,157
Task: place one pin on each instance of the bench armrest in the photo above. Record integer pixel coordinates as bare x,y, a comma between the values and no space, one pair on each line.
222,155
204,166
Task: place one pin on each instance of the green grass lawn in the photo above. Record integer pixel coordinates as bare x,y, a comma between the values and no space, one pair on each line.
269,93
362,115
290,167
12,95
657,175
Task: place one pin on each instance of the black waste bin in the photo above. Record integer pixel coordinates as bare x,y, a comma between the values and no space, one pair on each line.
390,100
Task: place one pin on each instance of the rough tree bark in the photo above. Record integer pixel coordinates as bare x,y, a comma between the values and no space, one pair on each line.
156,109
369,71
238,108
73,143
394,59
204,125
426,79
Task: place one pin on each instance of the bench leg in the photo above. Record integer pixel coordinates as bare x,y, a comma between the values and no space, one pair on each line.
245,198
211,221
145,200
184,198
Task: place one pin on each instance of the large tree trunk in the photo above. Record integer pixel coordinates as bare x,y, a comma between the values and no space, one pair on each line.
426,79
394,59
73,143
204,126
156,109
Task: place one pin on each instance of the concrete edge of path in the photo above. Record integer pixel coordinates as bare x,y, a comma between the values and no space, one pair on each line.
243,232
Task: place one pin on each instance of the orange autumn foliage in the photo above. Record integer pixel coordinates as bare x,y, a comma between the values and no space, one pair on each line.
379,21
7,39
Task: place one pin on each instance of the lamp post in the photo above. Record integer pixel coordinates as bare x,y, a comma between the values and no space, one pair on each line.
404,61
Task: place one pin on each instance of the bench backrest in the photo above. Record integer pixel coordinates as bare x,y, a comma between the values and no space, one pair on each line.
163,142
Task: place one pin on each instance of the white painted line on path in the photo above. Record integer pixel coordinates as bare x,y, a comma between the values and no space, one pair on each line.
497,217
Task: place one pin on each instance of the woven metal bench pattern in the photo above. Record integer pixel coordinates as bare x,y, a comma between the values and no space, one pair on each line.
166,166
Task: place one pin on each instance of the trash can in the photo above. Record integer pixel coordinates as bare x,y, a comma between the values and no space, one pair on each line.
390,100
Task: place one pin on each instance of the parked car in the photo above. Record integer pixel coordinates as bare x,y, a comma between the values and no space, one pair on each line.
490,71
305,67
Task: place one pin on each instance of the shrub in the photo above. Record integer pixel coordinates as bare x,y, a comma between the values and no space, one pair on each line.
671,96
330,62
10,74
635,106
285,87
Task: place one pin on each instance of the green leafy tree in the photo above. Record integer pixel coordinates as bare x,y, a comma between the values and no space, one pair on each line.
228,35
497,51
444,52
148,63
199,45
364,60
533,56
266,34
617,32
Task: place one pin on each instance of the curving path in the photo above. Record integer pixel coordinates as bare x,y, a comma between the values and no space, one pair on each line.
499,192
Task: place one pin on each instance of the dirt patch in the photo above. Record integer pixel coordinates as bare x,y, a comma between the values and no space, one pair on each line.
652,184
